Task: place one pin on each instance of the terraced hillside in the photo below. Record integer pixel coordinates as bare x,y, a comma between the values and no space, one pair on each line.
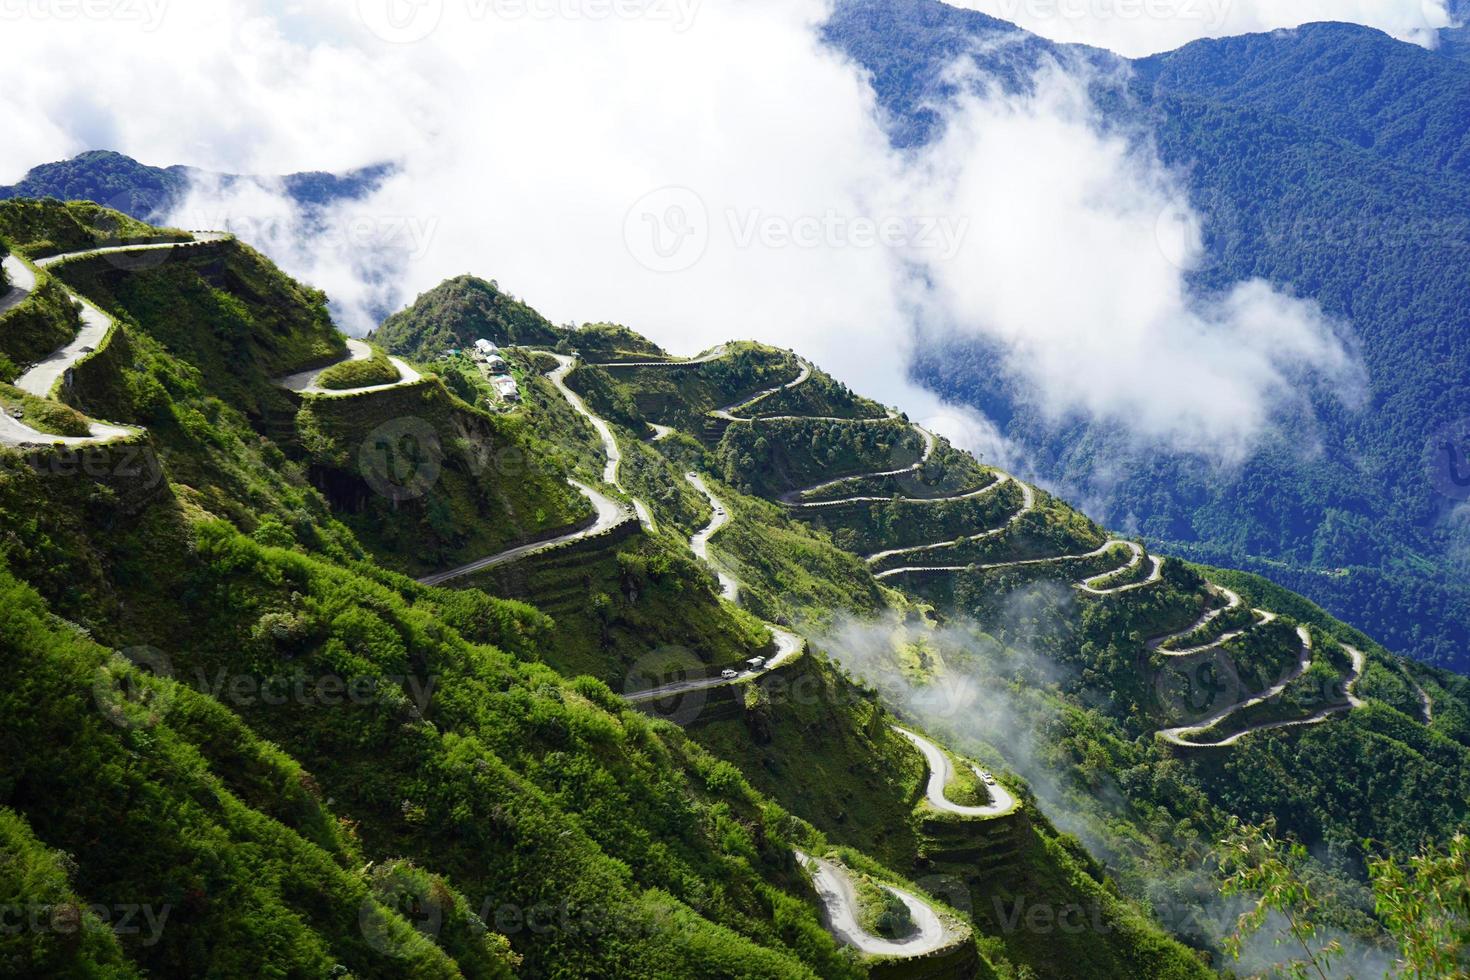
1178,674
626,719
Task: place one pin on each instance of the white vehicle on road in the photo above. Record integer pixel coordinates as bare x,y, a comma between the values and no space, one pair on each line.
728,674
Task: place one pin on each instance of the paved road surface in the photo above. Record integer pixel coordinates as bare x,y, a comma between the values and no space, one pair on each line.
712,355
558,377
1028,504
1176,735
42,377
609,512
728,411
22,281
941,774
839,900
699,544
304,382
788,644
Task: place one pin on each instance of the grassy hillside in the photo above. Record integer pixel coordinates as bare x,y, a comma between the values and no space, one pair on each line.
229,702
428,482
456,313
38,228
1015,664
38,325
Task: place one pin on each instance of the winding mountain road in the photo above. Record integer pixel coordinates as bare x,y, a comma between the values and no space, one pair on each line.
305,382
558,377
1106,546
41,378
609,513
197,238
1232,601
839,901
1155,574
699,543
22,282
713,354
941,774
788,644
1177,736
728,411
1092,585
1353,701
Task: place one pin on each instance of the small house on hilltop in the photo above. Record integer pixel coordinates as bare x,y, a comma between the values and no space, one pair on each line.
506,388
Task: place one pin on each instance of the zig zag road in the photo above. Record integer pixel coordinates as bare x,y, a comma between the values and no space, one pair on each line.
22,281
609,514
941,773
305,382
839,899
41,378
609,511
1112,543
713,354
1093,585
1177,736
792,499
788,644
1028,504
1232,601
558,377
832,882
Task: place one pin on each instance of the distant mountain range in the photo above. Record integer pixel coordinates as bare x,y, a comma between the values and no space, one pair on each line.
150,193
1304,128
1313,127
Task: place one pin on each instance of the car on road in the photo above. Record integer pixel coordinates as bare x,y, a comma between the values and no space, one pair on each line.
989,779
728,674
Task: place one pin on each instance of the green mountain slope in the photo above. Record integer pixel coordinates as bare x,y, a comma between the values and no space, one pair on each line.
552,755
456,313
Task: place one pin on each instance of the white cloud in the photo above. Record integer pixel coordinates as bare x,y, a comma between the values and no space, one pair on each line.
1073,274
1135,28
526,140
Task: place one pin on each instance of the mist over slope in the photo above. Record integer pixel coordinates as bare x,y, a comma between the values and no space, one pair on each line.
1194,271
1326,161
